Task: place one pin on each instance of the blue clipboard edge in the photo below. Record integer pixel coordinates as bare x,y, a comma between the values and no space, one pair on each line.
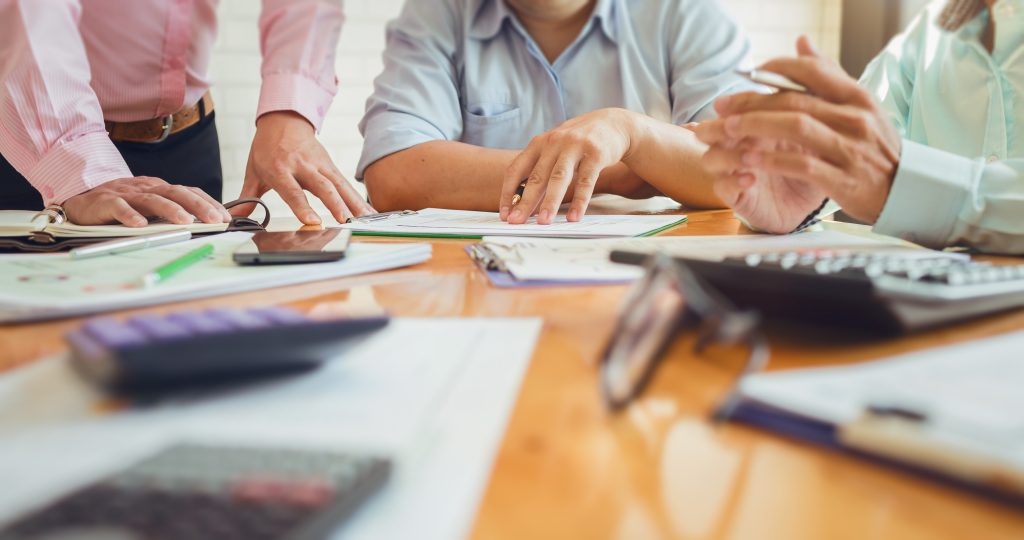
766,417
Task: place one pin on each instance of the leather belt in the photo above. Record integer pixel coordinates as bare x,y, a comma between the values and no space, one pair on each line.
158,129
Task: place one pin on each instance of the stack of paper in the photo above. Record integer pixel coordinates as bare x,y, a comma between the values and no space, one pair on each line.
34,287
435,223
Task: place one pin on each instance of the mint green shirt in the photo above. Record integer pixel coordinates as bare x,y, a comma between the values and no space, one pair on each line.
959,109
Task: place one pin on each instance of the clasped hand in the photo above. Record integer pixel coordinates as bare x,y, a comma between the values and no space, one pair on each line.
776,157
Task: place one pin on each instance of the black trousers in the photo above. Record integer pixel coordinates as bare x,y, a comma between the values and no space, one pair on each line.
188,158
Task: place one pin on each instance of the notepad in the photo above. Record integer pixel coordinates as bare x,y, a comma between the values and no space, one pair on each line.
18,223
436,223
954,410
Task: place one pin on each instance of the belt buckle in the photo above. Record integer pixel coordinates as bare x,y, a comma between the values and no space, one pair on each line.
168,125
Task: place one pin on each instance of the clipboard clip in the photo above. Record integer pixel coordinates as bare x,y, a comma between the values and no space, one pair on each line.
370,218
486,258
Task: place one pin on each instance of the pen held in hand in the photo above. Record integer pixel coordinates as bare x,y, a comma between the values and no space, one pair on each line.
519,193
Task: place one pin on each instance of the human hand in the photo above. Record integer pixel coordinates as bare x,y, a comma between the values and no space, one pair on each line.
838,143
130,201
286,157
569,156
769,202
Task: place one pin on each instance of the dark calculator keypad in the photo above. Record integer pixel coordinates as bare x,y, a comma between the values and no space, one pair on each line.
205,492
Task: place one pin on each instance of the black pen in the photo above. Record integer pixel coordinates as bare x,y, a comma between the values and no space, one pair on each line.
519,193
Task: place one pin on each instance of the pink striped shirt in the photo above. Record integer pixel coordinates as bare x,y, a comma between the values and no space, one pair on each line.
66,65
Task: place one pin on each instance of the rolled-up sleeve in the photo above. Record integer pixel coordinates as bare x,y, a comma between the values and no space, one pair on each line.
940,199
707,47
416,98
299,40
51,124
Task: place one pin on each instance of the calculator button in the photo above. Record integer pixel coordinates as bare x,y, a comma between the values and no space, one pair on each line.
159,327
239,319
200,323
280,315
112,333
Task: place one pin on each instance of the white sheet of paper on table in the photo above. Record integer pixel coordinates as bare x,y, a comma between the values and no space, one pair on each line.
434,394
970,393
432,221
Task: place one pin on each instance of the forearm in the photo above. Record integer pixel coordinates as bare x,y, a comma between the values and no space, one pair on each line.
668,158
446,174
298,39
51,124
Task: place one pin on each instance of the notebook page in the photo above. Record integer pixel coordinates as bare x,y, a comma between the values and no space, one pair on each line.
70,230
19,223
457,222
972,387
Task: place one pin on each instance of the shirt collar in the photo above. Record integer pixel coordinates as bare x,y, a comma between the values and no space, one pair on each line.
1003,9
492,14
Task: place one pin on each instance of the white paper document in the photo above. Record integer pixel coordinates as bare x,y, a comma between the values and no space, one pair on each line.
576,261
969,396
459,223
434,395
54,285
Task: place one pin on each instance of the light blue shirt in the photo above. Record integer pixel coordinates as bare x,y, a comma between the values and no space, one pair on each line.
467,70
961,113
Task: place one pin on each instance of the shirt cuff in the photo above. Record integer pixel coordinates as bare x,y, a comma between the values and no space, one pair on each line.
927,195
297,93
77,166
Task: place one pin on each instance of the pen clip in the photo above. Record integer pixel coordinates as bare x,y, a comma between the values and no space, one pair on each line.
381,216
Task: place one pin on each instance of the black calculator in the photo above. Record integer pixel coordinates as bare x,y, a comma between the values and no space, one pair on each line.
201,492
878,292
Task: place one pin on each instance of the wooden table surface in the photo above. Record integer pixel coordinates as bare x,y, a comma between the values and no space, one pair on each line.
567,468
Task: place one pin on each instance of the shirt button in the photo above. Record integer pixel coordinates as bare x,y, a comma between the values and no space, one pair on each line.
993,158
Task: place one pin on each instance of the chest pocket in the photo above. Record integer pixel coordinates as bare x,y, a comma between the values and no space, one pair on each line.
491,125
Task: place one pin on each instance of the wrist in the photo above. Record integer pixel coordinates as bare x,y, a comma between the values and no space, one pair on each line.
638,130
284,120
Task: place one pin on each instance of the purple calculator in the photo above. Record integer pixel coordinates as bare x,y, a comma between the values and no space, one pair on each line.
160,353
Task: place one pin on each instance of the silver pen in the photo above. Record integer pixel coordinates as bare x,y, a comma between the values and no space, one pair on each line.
135,243
772,79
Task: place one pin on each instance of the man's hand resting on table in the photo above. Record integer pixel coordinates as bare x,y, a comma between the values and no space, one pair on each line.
130,201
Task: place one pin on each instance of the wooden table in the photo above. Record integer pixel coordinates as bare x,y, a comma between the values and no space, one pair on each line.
569,469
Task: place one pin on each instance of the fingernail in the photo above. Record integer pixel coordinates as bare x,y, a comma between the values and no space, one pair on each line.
574,215
545,216
312,218
751,158
517,215
504,213
732,125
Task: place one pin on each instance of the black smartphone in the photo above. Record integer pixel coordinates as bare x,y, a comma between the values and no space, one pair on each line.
294,247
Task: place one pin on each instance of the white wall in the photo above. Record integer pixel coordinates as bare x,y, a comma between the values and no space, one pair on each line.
773,26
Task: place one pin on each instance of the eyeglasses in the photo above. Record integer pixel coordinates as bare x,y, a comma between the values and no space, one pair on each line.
668,299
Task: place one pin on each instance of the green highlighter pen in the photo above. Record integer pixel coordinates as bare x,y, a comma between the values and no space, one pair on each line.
177,265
